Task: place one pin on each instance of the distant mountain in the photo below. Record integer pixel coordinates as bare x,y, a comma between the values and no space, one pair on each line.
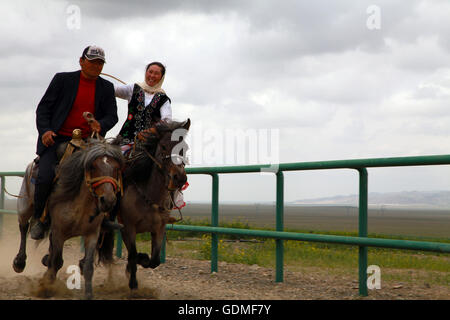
404,198
435,199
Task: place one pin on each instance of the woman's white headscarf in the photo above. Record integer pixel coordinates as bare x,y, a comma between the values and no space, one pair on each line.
152,90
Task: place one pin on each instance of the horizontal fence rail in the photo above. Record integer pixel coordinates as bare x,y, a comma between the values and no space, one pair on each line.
358,241
362,240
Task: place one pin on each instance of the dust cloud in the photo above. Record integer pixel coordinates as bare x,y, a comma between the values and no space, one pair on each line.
109,282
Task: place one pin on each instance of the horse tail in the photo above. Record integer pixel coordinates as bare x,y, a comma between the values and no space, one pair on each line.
105,247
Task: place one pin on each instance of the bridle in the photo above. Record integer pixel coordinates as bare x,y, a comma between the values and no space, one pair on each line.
161,168
166,174
94,183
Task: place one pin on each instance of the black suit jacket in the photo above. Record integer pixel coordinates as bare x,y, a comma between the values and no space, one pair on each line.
58,100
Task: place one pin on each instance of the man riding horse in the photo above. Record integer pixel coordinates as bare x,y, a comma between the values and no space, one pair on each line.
60,111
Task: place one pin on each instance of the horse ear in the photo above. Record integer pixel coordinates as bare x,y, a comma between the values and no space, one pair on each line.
187,124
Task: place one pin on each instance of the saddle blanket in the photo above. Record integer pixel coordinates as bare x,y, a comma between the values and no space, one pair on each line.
126,148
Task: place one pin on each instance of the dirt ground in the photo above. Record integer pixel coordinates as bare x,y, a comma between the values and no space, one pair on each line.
186,279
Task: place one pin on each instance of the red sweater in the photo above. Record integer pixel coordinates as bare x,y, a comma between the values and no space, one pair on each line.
84,101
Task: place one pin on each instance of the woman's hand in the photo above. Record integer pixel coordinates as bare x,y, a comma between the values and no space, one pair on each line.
145,134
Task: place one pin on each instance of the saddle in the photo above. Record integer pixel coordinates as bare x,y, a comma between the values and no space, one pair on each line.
63,152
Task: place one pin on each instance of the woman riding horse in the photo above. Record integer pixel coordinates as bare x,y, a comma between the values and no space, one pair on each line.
148,104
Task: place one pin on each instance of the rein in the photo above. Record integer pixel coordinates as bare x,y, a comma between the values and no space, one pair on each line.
160,167
175,206
159,164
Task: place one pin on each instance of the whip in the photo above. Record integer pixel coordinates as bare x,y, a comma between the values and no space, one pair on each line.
108,75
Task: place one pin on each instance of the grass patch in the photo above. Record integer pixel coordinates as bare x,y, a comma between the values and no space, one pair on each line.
429,267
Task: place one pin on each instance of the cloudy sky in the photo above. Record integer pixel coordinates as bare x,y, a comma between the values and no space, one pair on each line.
309,80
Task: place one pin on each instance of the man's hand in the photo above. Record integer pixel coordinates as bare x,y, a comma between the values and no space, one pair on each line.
95,126
47,138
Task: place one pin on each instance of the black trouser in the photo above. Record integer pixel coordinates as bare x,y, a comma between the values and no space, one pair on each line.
44,182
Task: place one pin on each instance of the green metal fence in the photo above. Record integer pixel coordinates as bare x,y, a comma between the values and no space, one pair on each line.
362,240
3,211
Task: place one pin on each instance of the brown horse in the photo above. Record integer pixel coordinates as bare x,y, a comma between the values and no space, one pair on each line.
152,174
84,193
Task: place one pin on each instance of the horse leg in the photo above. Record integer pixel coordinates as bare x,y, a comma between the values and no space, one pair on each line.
157,240
21,257
55,260
153,262
81,264
25,208
45,259
129,238
90,244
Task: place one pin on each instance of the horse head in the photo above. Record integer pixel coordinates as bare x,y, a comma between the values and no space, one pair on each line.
103,166
170,153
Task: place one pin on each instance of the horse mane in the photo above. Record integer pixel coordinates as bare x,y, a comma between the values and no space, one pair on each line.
71,172
169,126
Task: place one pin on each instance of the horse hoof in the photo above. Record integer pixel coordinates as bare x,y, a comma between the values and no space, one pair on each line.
19,265
45,260
133,285
154,264
134,293
143,260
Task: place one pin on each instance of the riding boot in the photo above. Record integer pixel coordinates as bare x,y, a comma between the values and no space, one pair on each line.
41,193
43,186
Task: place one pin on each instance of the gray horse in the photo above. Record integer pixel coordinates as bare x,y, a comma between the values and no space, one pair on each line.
85,191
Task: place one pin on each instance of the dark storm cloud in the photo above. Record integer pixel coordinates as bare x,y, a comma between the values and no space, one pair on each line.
289,28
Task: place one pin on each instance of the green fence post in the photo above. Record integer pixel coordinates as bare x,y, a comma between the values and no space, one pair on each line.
215,222
279,227
2,202
2,194
119,245
362,230
162,255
